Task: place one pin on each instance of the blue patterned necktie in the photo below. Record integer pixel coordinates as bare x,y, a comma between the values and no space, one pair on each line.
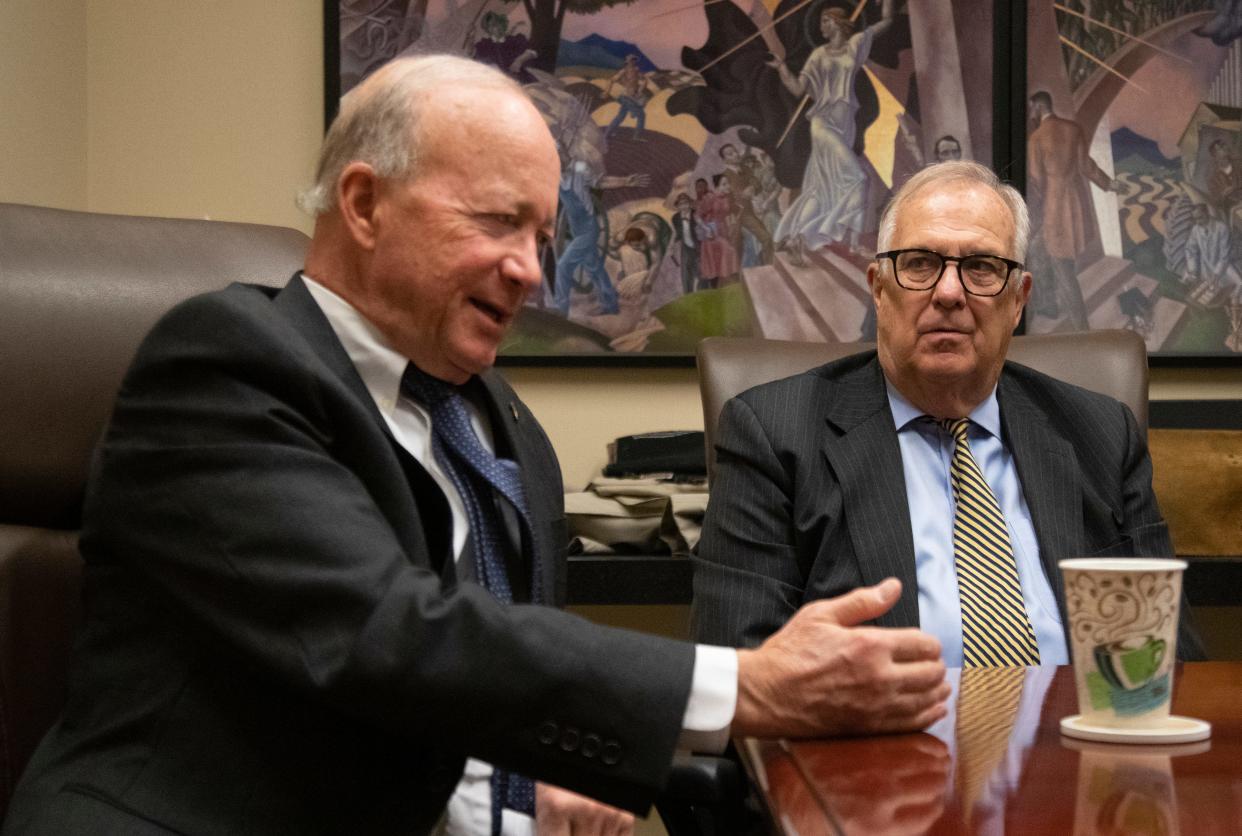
478,476
996,631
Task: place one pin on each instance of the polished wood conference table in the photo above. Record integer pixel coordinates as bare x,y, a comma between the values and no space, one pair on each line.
1038,782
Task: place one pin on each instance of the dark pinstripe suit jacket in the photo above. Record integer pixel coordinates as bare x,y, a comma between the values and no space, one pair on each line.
809,497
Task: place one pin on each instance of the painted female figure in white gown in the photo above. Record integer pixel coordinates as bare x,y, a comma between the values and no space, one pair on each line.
833,199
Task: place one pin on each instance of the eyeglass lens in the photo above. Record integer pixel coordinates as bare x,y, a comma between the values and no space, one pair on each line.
920,269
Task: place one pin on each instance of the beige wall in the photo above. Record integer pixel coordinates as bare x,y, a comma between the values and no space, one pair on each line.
213,108
584,409
183,108
203,108
43,102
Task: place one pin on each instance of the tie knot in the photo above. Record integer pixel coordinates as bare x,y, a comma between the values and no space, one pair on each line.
422,387
955,427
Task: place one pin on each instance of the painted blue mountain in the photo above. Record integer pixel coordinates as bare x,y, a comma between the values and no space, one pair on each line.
1127,144
601,52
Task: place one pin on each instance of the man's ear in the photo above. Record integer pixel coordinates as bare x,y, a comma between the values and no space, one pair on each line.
873,279
357,195
1023,294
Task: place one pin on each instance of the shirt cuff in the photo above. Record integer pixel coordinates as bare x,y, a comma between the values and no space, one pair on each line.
713,700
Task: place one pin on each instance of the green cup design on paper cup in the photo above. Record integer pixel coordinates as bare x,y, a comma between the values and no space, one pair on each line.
1131,663
1123,631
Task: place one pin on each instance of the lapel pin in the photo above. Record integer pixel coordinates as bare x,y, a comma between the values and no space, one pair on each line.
513,409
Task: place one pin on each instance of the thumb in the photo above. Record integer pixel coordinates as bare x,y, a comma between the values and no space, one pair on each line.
862,604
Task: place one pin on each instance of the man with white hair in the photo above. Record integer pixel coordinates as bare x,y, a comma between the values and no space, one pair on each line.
322,535
931,459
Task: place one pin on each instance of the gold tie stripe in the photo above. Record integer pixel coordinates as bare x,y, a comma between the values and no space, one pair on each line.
996,631
987,706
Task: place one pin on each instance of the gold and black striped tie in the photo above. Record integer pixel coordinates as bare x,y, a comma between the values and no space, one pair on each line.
996,630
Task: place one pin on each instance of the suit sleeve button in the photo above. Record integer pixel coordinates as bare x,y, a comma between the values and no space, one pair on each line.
570,739
547,732
591,745
611,753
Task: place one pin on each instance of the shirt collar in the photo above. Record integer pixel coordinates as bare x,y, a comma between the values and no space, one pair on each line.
985,415
379,365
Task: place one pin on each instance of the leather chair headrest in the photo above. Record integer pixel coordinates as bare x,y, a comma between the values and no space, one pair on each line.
78,292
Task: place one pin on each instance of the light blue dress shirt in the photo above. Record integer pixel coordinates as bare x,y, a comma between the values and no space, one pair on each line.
926,456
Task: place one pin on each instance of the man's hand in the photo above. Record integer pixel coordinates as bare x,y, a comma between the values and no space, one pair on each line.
821,674
560,812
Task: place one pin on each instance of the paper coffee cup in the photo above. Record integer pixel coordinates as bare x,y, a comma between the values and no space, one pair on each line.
1123,634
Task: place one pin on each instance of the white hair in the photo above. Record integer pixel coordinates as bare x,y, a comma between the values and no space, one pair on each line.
379,122
959,171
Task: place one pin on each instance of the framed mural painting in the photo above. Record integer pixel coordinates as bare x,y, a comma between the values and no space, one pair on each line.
1134,172
724,162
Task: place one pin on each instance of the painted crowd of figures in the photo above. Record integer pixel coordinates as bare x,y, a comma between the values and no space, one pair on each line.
760,147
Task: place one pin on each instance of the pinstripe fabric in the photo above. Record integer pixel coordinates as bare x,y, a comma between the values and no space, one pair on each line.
996,630
808,500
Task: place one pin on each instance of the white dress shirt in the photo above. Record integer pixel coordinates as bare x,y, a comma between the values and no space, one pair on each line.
713,693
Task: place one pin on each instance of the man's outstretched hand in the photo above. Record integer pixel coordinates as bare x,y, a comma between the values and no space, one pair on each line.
822,674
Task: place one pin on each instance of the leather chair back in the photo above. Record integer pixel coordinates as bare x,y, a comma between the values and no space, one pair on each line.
1113,363
78,292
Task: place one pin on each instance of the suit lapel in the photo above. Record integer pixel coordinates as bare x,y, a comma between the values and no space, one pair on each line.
862,451
299,307
1049,472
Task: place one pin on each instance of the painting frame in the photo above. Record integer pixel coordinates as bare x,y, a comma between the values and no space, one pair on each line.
1004,145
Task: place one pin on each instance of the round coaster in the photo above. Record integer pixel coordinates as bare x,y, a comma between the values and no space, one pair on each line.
1172,730
1122,750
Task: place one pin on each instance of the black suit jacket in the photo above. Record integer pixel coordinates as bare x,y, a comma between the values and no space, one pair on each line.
269,646
809,497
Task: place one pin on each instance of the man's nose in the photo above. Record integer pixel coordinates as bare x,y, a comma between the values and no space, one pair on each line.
950,290
524,266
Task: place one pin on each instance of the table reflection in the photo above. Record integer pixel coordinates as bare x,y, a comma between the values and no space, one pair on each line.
994,715
1127,789
893,786
999,765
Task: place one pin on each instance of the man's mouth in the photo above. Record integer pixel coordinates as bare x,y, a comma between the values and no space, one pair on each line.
497,314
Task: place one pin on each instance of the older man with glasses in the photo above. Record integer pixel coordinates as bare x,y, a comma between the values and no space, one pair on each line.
931,459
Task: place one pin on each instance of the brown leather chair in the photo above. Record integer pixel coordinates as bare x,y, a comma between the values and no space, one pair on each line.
1111,362
78,291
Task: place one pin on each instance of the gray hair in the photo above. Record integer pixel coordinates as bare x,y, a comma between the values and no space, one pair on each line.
959,171
379,122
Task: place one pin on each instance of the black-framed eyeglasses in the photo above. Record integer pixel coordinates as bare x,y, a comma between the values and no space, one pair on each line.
981,275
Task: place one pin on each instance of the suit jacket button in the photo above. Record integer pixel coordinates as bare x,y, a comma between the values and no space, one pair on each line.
570,738
611,754
547,733
591,745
